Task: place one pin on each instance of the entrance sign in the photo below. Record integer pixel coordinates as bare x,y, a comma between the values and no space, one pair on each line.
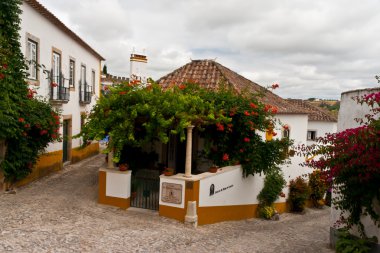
171,193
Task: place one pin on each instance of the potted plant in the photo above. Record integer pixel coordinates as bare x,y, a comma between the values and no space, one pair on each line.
123,167
213,169
169,171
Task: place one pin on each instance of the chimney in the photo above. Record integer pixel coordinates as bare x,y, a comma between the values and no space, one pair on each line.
138,68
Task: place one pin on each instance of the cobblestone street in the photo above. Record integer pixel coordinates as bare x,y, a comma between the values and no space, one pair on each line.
60,214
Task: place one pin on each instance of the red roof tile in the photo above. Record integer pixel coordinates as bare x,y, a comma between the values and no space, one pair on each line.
212,75
315,113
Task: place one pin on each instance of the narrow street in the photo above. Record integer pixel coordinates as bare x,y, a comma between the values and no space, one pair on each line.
60,213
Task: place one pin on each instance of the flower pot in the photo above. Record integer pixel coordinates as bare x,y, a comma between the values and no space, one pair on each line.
213,169
168,173
123,167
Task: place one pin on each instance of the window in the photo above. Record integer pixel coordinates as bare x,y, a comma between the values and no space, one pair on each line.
72,74
31,52
56,68
311,135
93,81
83,75
286,132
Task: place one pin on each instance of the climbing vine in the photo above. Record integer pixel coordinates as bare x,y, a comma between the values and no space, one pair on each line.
132,115
27,123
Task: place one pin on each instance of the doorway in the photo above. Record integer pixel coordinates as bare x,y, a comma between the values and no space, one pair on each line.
66,143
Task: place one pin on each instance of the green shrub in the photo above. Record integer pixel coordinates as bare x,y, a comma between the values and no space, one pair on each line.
298,194
318,187
348,243
266,212
274,182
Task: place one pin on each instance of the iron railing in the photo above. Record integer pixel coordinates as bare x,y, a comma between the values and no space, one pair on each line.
85,93
58,91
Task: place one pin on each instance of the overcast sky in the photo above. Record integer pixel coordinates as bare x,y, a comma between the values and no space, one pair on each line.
311,48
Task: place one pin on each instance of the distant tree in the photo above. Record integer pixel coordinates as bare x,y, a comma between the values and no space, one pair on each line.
311,99
105,69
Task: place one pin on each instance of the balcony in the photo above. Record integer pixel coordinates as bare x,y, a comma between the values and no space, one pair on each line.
59,93
85,93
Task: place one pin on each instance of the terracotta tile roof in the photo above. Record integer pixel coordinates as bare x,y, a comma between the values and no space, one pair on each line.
315,113
211,75
54,20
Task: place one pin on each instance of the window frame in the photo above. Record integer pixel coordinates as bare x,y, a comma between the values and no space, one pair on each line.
29,38
312,132
72,74
93,82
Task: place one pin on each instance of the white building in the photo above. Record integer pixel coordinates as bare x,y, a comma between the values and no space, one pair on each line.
320,121
71,84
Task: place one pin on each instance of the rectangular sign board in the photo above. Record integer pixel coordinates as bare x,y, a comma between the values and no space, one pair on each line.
171,193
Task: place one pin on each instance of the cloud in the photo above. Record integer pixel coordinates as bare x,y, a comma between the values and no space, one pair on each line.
313,49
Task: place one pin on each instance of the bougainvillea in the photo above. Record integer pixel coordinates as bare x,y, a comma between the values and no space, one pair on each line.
134,115
351,160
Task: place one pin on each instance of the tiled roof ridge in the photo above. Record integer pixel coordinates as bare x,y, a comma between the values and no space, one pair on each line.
209,74
58,23
316,113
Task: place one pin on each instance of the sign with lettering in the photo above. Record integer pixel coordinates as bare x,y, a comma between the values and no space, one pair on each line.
171,193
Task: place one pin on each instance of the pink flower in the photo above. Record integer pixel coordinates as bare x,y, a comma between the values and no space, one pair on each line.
247,139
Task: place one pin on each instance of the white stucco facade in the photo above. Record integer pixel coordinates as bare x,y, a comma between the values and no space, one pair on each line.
321,128
49,38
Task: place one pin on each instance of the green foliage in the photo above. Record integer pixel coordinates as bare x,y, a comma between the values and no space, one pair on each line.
266,212
318,187
27,124
105,69
274,182
239,140
133,116
298,194
348,243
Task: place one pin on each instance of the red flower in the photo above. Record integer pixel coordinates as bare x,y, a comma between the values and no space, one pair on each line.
42,132
21,120
5,66
246,113
274,133
182,86
274,110
54,136
247,139
106,88
2,76
53,84
226,157
122,92
219,127
282,194
254,113
252,105
275,86
27,126
286,127
241,150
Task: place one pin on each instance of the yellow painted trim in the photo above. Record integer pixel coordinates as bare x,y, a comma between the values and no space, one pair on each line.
172,212
78,154
46,164
213,214
107,200
282,207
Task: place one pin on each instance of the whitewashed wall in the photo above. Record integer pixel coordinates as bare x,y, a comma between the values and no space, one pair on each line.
229,188
50,36
349,110
322,128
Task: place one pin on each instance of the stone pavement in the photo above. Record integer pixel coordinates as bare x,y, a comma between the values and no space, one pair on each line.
60,213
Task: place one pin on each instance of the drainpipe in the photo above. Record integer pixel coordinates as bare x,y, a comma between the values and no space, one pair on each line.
189,142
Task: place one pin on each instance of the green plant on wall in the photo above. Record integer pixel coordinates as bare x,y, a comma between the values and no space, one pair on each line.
318,187
299,193
27,123
274,182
